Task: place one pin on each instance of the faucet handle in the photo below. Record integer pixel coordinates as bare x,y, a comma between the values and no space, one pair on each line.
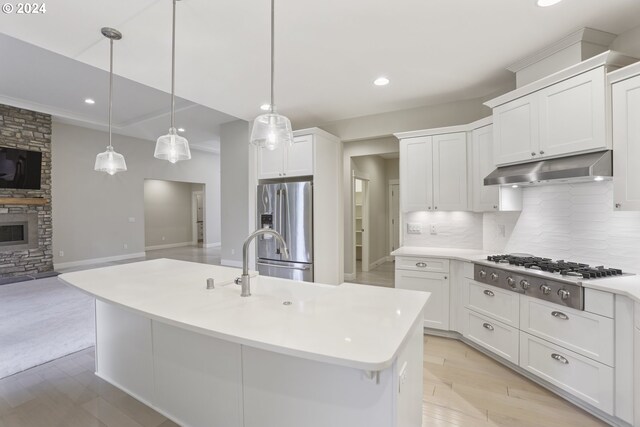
210,283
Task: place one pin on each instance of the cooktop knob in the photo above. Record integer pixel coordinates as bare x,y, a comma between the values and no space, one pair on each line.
564,294
524,284
546,289
482,274
494,276
511,282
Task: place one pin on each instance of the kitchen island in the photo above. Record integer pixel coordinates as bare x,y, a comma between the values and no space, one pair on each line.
292,354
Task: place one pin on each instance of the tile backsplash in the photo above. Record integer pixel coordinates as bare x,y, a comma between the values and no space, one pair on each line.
566,221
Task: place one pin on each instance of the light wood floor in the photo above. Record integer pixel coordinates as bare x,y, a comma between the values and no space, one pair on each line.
383,275
462,387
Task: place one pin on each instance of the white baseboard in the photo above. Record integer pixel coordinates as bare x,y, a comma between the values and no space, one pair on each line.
168,246
349,276
213,245
231,263
62,265
377,263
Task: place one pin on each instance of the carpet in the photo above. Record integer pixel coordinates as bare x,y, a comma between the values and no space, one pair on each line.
42,320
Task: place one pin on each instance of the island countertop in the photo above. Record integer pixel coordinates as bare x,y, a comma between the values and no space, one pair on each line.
352,325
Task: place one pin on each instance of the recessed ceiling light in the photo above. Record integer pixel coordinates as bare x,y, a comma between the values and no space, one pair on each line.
180,129
381,81
546,3
89,101
265,107
514,186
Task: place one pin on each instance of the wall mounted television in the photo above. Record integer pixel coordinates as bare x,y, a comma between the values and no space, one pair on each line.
20,169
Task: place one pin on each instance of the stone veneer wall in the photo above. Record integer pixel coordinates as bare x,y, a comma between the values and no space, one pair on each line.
28,130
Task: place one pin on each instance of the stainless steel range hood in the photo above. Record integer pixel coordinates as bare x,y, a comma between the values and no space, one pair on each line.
582,167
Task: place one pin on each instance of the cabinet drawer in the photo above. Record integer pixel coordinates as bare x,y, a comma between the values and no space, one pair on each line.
436,265
584,378
585,333
494,336
494,302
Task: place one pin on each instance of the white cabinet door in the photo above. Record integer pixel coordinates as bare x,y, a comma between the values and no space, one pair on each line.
626,144
270,162
436,312
572,115
516,131
636,368
298,159
450,172
486,198
416,174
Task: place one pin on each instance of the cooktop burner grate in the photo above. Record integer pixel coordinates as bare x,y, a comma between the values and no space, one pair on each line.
562,267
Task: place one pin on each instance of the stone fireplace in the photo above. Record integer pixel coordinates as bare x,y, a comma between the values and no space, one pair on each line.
25,215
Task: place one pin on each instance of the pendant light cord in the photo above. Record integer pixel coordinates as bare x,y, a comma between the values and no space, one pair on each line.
173,66
272,53
110,85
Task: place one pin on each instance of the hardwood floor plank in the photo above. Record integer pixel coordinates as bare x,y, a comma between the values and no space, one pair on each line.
109,414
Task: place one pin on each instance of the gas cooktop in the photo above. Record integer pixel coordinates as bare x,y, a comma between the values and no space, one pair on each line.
568,269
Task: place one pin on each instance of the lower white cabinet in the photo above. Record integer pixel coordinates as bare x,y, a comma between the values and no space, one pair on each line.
494,302
436,312
586,333
495,336
585,378
636,358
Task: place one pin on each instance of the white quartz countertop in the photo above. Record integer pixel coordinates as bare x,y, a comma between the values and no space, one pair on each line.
628,286
450,253
351,325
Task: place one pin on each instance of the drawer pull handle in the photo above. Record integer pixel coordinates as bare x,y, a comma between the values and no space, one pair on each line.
488,326
561,359
559,315
488,293
421,264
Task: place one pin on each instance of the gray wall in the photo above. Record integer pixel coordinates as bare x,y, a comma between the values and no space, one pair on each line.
235,160
375,168
167,212
628,42
92,211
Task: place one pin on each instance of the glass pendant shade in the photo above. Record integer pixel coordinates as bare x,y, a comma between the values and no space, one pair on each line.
271,130
110,162
172,147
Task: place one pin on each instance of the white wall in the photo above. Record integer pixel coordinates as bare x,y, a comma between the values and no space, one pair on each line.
577,222
453,230
91,210
375,168
167,213
628,42
235,174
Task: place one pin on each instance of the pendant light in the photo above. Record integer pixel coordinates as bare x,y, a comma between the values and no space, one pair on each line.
110,161
172,147
270,130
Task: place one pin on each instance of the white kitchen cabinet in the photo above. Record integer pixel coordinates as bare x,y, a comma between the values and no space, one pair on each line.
450,172
515,131
436,312
497,303
433,173
416,174
485,197
287,161
572,115
626,141
636,368
557,119
584,378
495,336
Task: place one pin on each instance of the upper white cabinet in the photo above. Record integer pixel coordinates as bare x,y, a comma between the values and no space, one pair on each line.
626,138
433,173
564,118
287,161
564,113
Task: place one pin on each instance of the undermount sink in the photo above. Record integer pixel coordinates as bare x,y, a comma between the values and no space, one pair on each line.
287,290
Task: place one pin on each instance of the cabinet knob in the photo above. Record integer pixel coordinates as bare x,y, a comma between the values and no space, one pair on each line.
533,153
429,208
541,152
618,205
435,208
279,174
284,174
495,207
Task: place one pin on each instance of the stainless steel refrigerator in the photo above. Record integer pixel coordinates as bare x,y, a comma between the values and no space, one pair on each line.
288,209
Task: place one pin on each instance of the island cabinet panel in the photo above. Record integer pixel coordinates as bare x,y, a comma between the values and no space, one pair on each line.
198,379
636,358
124,351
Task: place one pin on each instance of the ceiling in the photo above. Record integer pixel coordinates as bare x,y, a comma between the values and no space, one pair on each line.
41,80
328,52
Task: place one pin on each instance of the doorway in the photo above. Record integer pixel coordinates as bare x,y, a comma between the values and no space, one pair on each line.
360,188
394,214
197,218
